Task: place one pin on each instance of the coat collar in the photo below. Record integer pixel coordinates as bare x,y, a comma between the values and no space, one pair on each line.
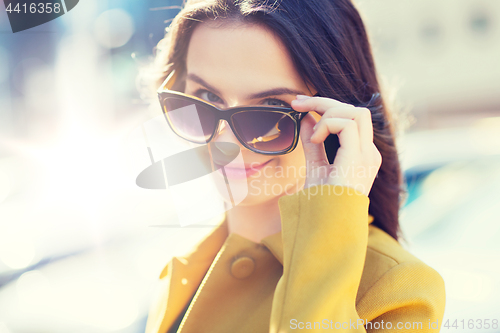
187,272
208,247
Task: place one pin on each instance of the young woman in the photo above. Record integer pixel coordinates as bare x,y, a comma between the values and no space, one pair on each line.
314,244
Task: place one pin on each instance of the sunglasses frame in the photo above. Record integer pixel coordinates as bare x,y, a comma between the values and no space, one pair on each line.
165,92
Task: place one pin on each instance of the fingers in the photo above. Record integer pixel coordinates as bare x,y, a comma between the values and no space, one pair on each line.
346,129
318,104
361,117
314,152
333,109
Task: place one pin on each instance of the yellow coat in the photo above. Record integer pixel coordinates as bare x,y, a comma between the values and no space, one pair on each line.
328,268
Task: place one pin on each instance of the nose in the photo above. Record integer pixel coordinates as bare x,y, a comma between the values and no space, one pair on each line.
225,134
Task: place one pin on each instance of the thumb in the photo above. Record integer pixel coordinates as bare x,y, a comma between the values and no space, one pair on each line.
314,152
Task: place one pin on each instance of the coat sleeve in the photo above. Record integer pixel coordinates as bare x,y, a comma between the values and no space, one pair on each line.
325,236
410,297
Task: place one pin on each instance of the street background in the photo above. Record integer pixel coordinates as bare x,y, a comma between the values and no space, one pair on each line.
81,246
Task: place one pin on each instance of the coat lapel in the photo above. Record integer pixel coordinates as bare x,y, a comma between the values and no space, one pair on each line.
182,275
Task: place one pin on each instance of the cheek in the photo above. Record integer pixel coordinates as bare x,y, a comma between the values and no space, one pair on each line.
294,164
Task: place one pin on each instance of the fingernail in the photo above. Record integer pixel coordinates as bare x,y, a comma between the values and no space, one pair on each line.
302,97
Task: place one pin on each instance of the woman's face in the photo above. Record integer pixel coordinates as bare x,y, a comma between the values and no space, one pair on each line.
225,66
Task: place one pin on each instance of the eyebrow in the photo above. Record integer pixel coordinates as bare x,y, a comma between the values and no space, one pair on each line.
272,92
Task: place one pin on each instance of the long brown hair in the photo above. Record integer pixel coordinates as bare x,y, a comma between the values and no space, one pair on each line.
328,44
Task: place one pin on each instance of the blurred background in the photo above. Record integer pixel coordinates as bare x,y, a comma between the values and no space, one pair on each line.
81,246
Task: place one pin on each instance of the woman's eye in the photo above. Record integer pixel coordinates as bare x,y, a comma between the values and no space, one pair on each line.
208,96
213,98
276,102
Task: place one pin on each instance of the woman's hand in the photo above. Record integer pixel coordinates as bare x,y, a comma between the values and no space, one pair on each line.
357,160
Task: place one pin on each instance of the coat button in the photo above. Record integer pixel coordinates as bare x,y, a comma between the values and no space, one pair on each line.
242,267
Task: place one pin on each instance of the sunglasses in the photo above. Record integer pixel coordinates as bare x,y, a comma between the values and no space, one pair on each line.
265,130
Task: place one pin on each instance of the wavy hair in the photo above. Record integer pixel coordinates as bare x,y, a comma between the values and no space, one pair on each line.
329,46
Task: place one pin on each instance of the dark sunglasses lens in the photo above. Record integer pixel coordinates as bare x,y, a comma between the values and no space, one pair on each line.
264,130
190,120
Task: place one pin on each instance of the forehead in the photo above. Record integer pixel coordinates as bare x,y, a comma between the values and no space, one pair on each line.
238,54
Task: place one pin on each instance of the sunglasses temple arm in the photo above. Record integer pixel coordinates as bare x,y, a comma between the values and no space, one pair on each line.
168,82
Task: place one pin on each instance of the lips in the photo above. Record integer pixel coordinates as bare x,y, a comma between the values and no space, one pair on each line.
241,171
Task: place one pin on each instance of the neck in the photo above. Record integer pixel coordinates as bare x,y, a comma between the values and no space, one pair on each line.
255,222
